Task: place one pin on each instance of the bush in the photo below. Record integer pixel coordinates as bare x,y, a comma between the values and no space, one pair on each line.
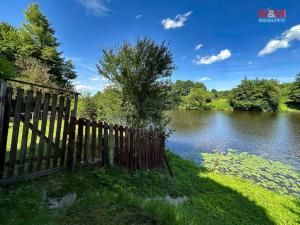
256,95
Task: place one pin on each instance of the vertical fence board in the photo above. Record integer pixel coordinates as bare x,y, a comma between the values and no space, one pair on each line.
111,141
58,130
130,154
43,131
79,141
35,124
93,140
15,135
65,132
100,143
122,155
105,147
5,126
126,147
51,131
3,89
71,144
116,149
86,140
26,122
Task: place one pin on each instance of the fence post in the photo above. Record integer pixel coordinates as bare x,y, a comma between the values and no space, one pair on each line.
74,111
3,86
71,144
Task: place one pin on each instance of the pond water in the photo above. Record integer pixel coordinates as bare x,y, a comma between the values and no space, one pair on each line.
274,136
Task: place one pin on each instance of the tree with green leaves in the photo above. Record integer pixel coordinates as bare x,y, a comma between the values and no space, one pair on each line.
141,73
196,99
36,39
109,105
7,69
40,42
256,95
295,90
87,107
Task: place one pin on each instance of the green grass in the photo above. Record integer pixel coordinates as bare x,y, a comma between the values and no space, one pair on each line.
220,104
114,196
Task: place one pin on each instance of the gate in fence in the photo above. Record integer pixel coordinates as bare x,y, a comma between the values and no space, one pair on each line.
33,130
40,134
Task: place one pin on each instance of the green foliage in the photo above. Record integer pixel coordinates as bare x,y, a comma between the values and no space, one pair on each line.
36,39
256,95
141,73
196,99
182,88
220,104
113,196
295,90
7,69
10,42
109,106
87,107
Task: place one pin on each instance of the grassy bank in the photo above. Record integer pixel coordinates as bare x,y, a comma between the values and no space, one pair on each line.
222,104
113,196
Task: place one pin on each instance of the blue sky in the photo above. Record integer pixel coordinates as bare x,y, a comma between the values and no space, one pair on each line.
232,44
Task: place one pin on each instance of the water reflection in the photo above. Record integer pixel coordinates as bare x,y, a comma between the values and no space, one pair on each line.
272,135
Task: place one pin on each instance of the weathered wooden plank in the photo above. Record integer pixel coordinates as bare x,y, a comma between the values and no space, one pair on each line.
51,131
143,149
105,146
5,126
15,135
74,111
135,149
24,141
12,180
71,144
43,131
79,141
58,130
86,140
3,88
34,134
65,132
122,155
131,144
126,150
111,142
94,126
100,142
116,150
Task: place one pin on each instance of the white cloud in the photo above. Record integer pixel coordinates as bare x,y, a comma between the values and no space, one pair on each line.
138,16
198,46
98,78
98,7
177,22
281,42
250,62
204,79
81,87
223,55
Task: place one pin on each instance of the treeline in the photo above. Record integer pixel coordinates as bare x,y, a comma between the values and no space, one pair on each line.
250,95
30,52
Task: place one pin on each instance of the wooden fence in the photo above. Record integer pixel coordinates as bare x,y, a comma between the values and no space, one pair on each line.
102,144
34,131
40,134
